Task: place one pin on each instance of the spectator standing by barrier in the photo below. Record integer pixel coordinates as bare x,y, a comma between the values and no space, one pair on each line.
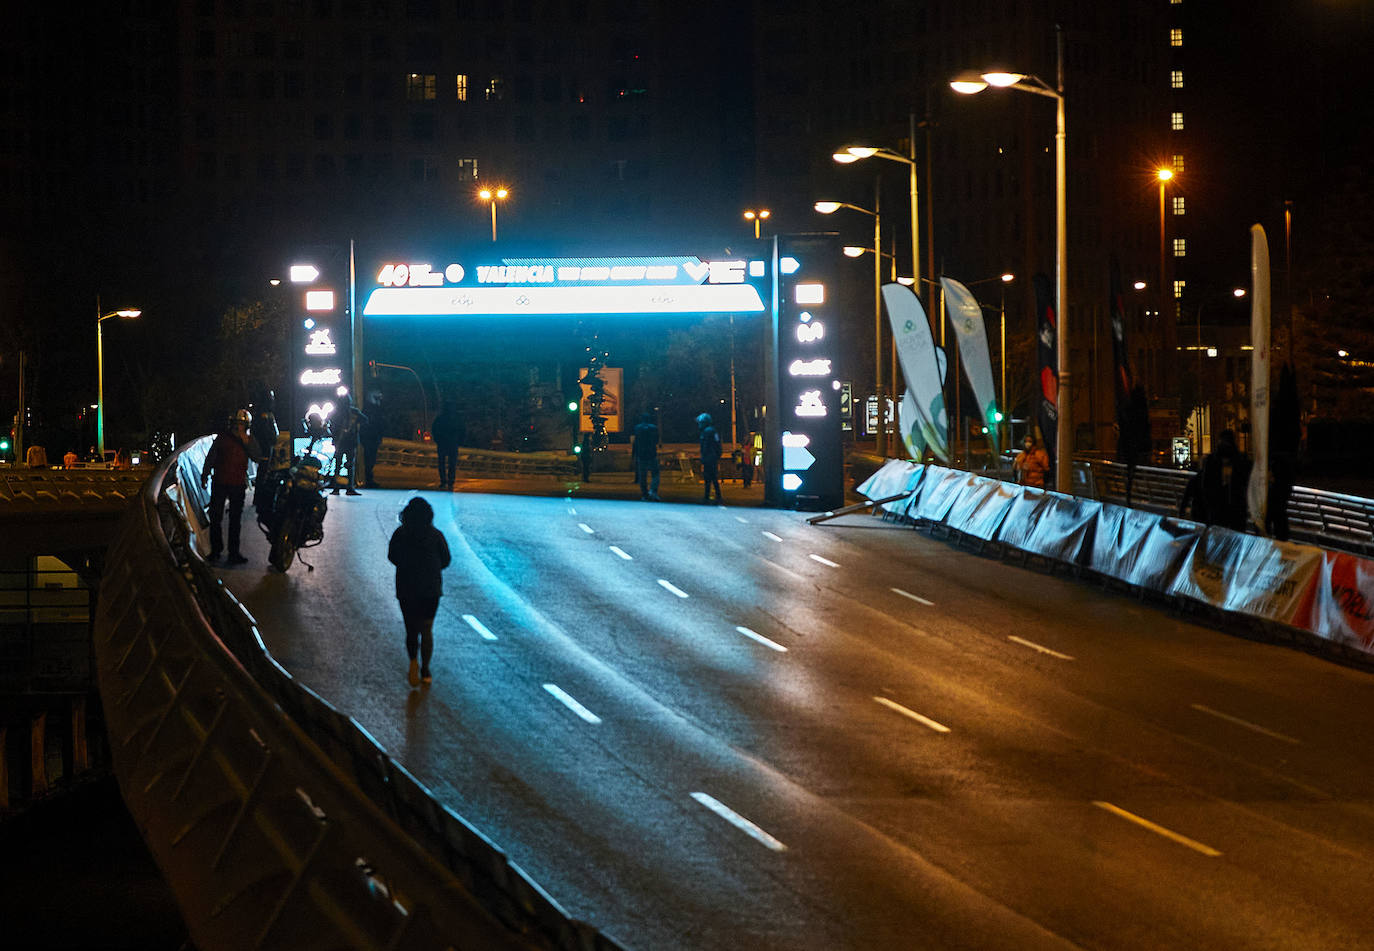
1192,505
36,457
709,439
420,554
228,460
344,428
1225,482
644,448
448,433
374,425
1032,465
70,460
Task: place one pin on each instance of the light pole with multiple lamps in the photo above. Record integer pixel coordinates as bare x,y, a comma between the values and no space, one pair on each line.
976,83
855,153
492,196
100,371
829,208
756,216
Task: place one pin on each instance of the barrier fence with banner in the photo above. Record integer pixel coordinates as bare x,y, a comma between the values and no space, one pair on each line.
1325,593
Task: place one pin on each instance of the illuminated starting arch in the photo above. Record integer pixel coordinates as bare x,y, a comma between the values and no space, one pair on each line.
788,279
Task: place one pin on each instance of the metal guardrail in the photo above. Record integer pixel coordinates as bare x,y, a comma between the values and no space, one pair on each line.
397,452
277,820
1327,519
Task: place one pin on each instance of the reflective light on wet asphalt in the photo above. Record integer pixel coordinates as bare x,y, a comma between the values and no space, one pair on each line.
1169,834
621,552
571,703
738,821
1037,647
914,597
673,588
479,627
771,536
825,561
586,528
771,645
912,714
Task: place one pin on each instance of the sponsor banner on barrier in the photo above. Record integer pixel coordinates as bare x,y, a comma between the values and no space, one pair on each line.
1141,548
1249,574
1063,529
981,507
898,475
1341,607
938,492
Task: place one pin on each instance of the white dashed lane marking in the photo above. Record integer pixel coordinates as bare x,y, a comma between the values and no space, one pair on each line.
479,627
571,703
738,821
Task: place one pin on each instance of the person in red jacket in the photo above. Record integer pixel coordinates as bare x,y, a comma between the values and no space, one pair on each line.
228,460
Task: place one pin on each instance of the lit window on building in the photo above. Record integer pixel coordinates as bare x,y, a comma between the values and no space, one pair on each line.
421,87
1180,205
1179,288
462,87
496,89
467,168
1176,37
1180,247
1175,79
1178,162
1176,121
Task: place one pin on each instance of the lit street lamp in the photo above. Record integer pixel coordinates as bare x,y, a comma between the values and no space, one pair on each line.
756,217
492,196
829,208
970,84
855,153
100,371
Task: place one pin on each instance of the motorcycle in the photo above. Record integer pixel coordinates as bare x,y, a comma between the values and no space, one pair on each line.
292,507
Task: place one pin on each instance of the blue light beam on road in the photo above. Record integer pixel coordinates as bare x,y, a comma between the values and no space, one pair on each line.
479,627
571,703
738,821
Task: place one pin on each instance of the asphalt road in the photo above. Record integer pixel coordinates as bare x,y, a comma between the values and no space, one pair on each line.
701,727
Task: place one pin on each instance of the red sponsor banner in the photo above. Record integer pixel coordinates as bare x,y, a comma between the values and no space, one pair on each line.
1341,603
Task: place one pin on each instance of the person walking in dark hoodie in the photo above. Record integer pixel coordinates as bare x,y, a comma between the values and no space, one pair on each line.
420,554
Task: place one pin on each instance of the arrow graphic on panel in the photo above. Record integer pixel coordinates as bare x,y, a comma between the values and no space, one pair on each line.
795,455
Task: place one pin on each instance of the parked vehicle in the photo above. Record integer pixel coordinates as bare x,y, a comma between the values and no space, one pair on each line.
291,509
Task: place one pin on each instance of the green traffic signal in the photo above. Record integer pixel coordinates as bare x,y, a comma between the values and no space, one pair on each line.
997,415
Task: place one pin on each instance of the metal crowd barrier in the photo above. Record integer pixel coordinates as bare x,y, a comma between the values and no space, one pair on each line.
396,452
276,819
1328,519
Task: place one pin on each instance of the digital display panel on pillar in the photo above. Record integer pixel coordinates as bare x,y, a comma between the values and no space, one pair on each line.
810,390
320,357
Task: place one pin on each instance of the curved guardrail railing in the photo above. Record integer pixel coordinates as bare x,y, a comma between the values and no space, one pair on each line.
277,820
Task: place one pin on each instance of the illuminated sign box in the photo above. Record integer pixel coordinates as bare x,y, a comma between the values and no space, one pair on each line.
319,300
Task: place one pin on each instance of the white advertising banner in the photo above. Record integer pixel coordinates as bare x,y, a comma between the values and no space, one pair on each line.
920,365
966,315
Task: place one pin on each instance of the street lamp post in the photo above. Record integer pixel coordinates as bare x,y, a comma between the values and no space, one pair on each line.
829,208
969,85
100,371
1165,176
855,153
756,216
492,196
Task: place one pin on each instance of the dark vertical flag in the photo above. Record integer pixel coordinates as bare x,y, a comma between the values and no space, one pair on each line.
1047,329
1121,358
1132,407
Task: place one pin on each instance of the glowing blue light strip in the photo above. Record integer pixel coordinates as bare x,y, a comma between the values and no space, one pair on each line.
507,301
